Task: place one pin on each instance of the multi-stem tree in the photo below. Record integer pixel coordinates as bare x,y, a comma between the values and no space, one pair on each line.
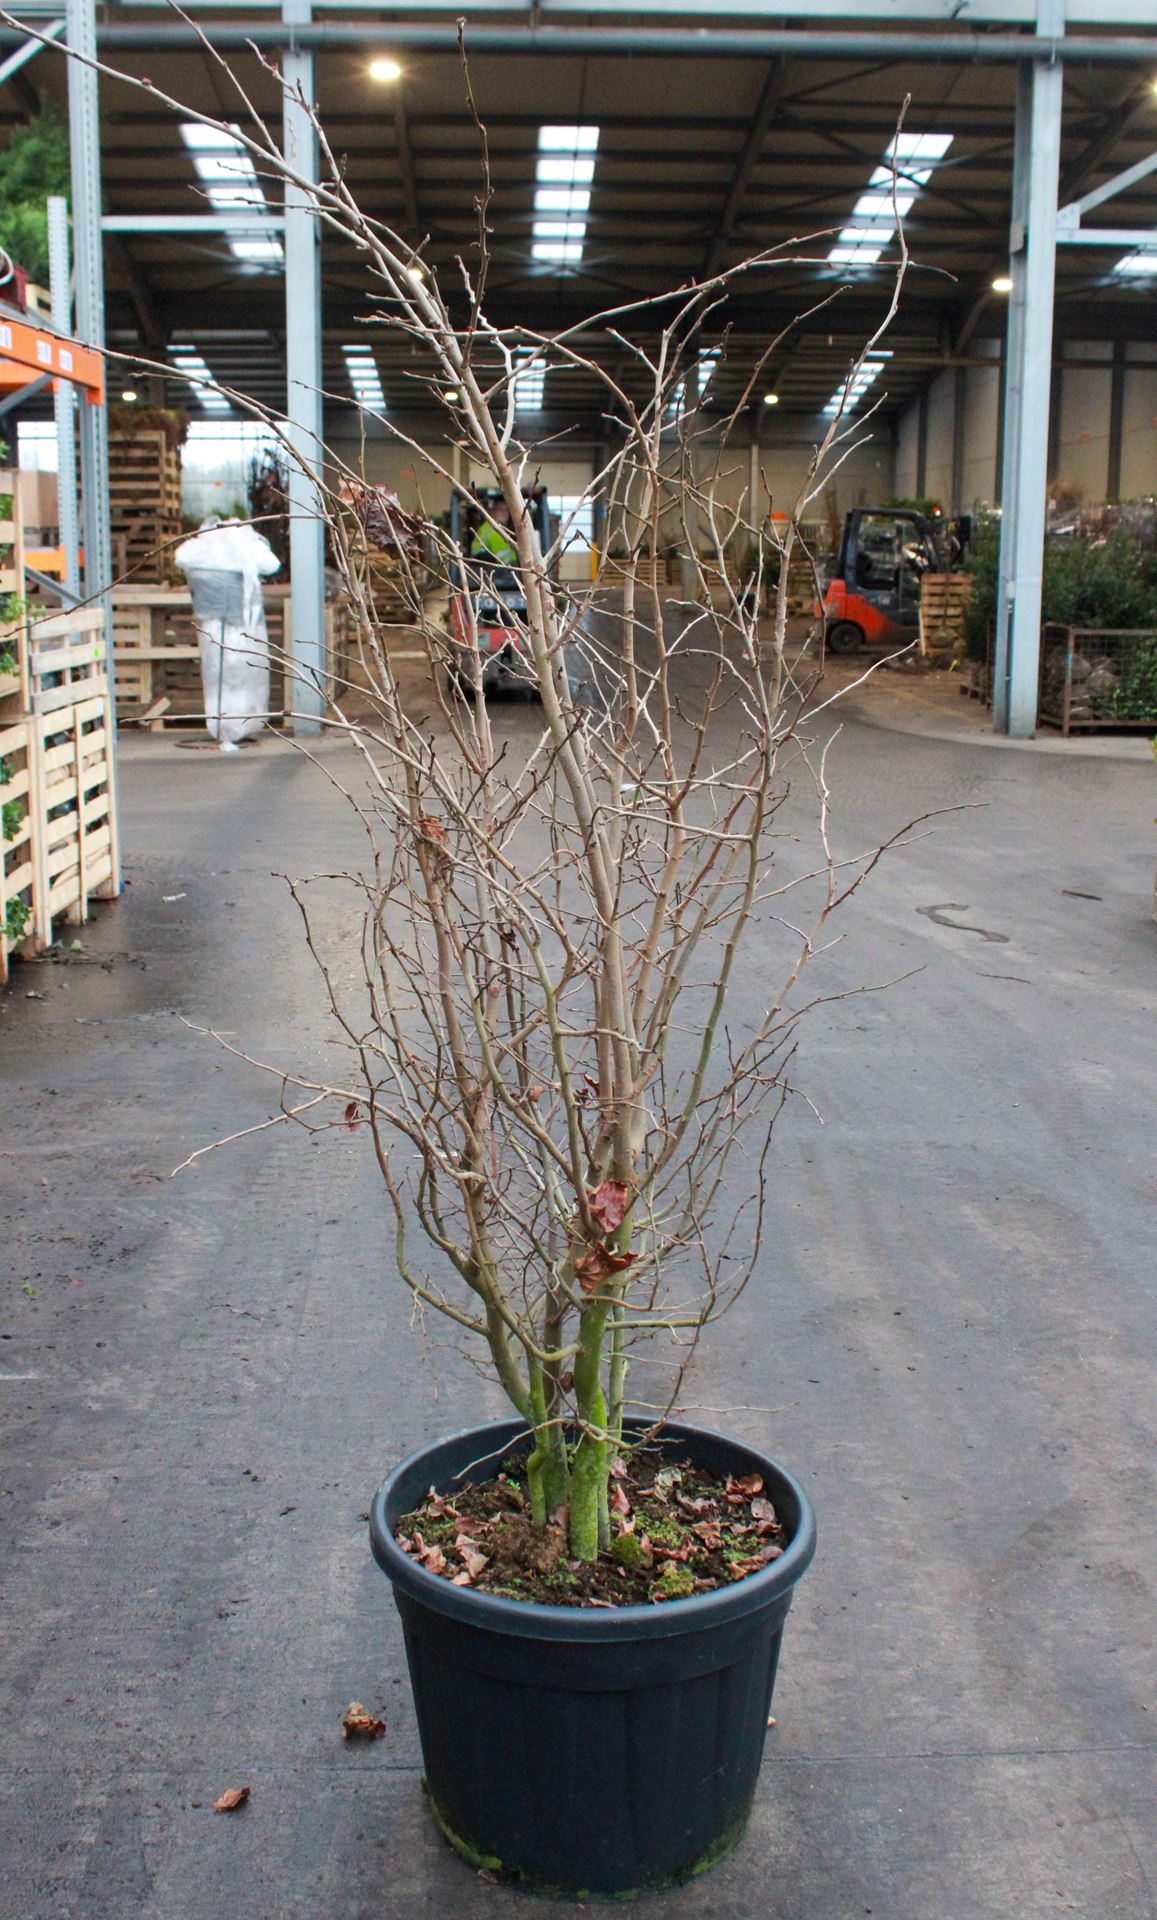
537,1038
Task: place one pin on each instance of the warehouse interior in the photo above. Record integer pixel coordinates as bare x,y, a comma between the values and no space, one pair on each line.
207,1361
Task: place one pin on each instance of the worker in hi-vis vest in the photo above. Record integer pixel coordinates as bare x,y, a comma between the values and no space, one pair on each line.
494,542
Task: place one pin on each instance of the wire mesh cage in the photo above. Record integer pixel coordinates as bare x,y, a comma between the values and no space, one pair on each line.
1096,677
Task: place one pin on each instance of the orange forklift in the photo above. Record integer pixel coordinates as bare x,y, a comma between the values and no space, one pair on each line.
873,597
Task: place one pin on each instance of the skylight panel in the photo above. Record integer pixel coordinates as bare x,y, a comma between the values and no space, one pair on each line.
1138,265
364,378
909,163
229,178
194,370
705,367
529,384
562,195
851,391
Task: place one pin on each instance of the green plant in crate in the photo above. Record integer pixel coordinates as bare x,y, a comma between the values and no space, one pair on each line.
1135,698
17,914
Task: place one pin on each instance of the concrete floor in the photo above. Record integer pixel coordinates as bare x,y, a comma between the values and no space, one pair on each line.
951,1340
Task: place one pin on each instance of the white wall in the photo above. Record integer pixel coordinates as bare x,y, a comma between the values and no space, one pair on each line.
981,417
907,453
1139,429
941,427
1081,440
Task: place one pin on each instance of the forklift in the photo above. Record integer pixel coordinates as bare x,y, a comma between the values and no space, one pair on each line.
487,601
873,597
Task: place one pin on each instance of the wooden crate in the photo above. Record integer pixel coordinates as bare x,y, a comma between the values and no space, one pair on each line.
74,829
144,502
944,601
157,655
70,733
17,864
14,679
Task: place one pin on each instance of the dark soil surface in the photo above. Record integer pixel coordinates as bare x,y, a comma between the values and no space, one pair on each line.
676,1530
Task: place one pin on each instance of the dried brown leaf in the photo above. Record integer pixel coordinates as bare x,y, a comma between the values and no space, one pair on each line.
231,1800
609,1203
359,1724
600,1264
618,1498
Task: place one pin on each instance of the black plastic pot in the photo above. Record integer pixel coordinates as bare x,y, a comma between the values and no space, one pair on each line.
597,1750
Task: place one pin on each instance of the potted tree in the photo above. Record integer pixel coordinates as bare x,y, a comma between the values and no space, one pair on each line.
538,1053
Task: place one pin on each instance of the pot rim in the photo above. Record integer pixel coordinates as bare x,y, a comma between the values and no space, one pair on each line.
531,1619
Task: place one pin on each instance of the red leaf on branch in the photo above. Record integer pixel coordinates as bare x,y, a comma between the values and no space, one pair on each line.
599,1264
431,828
352,1118
608,1204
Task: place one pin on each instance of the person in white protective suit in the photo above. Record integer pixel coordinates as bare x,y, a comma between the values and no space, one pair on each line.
225,562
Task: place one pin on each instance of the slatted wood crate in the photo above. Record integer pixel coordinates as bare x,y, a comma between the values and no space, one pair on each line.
157,655
13,660
144,501
944,601
17,866
75,855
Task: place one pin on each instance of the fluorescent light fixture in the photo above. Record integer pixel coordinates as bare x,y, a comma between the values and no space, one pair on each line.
385,69
129,394
562,195
365,381
194,370
771,399
1002,283
909,162
229,178
451,396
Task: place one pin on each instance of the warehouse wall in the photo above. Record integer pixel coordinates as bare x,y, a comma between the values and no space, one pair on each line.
1139,428
865,475
1079,437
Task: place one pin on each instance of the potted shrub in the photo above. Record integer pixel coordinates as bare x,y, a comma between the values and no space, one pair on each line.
537,1051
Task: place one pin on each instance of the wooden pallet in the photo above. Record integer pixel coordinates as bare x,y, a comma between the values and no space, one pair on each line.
17,867
144,501
944,601
13,683
75,826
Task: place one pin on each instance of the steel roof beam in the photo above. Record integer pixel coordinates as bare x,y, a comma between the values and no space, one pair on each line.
805,43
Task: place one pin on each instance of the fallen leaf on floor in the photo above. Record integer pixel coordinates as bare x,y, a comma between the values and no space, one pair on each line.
359,1724
231,1800
618,1500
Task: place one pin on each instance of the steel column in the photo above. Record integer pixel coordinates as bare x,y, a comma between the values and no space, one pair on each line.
67,511
1028,383
84,140
84,148
303,391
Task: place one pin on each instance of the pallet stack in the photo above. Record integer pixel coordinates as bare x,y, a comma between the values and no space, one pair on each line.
943,605
144,470
58,848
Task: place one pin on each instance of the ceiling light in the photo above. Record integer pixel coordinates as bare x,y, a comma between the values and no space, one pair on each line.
385,69
416,274
1002,283
451,396
130,393
908,164
771,399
